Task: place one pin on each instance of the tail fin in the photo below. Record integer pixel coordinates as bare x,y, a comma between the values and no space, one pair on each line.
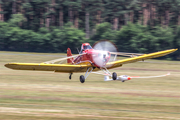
70,60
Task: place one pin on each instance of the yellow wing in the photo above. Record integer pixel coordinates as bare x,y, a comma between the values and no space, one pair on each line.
139,58
66,68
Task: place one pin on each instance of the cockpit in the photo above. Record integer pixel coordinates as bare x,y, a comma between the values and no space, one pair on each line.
85,46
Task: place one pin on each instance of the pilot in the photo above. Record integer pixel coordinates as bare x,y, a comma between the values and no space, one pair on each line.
85,46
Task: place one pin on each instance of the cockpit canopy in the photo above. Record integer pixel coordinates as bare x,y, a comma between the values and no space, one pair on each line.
85,46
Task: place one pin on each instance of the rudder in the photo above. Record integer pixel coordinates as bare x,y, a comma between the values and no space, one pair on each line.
70,60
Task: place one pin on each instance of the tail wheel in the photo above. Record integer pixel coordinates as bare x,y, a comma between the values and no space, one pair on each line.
82,79
70,75
114,76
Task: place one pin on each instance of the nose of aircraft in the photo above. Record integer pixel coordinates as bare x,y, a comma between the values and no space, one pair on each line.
101,58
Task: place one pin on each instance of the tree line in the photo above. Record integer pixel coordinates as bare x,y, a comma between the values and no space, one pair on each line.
53,25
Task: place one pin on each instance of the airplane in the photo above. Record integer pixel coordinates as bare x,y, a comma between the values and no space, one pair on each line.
91,60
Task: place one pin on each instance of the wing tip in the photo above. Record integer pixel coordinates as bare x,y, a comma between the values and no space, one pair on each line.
8,65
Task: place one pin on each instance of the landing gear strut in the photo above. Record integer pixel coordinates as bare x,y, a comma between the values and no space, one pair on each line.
114,76
82,78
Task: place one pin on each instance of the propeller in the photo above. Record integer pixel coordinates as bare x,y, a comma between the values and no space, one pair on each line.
103,47
107,49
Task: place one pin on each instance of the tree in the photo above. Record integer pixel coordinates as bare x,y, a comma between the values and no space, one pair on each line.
175,12
70,37
60,5
1,11
125,36
164,38
176,42
104,32
89,7
119,9
164,9
16,19
74,6
14,7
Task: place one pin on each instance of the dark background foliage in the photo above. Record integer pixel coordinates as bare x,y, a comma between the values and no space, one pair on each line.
141,26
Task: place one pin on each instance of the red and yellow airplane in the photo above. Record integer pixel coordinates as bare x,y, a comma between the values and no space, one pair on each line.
88,60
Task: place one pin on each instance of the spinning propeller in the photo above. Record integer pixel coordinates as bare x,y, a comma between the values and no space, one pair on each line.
105,45
103,48
107,52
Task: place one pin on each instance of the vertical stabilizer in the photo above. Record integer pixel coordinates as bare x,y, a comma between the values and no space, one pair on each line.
70,60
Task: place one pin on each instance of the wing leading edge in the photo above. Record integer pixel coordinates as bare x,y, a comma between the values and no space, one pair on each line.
119,63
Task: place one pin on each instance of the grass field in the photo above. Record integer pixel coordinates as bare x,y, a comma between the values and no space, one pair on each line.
28,95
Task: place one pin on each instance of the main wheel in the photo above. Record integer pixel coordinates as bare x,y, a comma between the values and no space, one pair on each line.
82,79
114,76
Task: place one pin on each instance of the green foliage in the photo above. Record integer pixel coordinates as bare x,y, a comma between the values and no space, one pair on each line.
163,38
138,38
61,39
131,38
26,31
104,31
58,40
16,18
126,37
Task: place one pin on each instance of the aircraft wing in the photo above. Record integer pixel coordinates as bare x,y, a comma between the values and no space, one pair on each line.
66,68
119,63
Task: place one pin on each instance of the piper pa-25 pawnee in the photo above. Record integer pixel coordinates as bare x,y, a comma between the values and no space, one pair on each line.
91,60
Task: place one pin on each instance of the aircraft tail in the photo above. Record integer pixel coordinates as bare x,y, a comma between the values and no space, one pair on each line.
70,60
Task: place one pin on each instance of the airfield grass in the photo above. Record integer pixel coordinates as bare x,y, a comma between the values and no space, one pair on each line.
28,95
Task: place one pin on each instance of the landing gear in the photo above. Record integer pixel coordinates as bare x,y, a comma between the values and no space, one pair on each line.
114,76
70,75
82,79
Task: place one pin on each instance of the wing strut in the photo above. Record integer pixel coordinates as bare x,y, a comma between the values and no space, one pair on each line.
88,72
61,59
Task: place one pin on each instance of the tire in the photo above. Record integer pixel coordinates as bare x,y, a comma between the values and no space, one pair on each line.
114,76
70,76
82,79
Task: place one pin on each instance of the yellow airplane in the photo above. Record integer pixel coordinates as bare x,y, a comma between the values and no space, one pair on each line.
90,60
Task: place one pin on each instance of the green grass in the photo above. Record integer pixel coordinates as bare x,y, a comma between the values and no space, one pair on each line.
27,95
